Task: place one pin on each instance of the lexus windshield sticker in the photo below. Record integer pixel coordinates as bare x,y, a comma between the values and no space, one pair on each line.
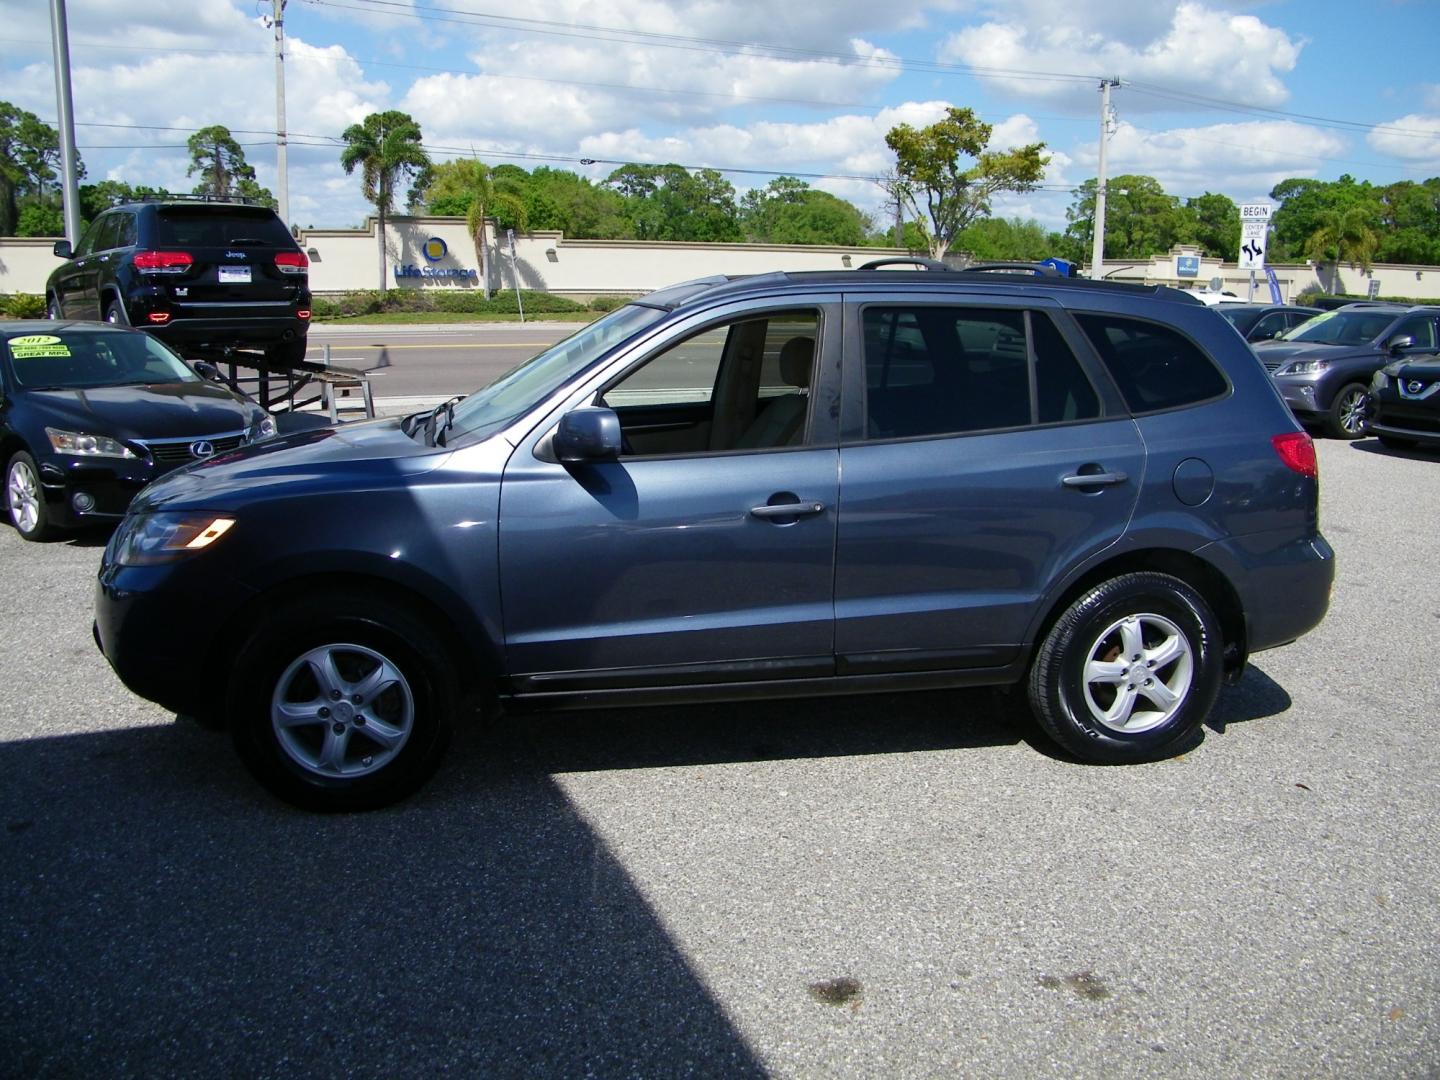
37,346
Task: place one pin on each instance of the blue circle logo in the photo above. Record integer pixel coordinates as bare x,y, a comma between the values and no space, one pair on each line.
435,249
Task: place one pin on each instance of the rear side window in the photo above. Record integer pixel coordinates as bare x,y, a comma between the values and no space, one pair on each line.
1155,367
186,226
949,370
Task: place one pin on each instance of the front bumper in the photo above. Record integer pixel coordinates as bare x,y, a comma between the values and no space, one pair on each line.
83,491
1304,397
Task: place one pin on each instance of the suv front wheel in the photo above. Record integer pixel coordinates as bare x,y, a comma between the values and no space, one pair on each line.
1129,671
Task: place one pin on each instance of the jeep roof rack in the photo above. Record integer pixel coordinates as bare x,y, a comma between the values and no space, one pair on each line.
239,200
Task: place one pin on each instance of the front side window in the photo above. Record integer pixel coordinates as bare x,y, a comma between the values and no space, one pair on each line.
948,370
742,385
1154,366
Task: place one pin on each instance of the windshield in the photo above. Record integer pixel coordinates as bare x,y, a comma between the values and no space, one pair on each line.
1342,328
509,397
84,359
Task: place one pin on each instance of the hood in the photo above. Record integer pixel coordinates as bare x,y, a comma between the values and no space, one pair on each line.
1281,351
1424,368
353,457
149,411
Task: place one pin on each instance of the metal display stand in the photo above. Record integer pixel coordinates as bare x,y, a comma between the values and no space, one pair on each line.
289,387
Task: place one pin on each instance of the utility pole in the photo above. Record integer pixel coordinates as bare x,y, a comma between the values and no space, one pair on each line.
282,180
65,110
1097,250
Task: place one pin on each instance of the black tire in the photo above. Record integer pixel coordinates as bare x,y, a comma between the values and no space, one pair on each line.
353,630
1390,442
1065,701
1346,418
115,314
25,499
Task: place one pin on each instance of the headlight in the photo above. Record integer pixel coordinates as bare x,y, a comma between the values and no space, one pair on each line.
1306,367
261,430
1379,381
150,539
83,444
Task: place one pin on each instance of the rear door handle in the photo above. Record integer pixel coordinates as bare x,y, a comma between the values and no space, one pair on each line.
787,510
1099,479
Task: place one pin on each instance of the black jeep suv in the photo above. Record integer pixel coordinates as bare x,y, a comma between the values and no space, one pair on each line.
203,274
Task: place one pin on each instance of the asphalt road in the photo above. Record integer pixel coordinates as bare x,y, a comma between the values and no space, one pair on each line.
882,887
433,362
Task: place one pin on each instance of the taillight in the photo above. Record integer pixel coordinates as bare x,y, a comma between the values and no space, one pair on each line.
159,316
291,262
163,262
1297,451
303,313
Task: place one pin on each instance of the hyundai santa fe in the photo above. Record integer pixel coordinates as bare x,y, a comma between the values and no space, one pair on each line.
780,485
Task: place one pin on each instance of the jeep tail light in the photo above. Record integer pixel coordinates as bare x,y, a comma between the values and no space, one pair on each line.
159,316
303,313
163,262
291,262
1297,451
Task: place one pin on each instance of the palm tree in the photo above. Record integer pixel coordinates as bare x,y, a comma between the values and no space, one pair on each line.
1345,236
387,148
471,183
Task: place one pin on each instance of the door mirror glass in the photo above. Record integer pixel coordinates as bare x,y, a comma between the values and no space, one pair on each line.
1400,342
206,370
586,434
62,249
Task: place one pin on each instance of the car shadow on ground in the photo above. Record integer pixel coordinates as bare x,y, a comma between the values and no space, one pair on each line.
162,917
1375,446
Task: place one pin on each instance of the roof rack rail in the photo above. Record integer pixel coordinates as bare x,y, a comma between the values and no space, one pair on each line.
242,200
1038,269
909,260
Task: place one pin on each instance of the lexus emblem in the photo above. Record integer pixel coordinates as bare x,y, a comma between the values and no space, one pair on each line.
1415,386
202,448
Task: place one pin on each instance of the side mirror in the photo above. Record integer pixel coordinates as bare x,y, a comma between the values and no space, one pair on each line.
206,370
586,434
1400,342
62,248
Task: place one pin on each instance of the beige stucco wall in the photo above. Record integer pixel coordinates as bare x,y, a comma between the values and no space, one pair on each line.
346,259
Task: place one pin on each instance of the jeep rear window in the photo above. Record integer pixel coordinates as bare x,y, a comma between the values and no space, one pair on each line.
196,226
1155,367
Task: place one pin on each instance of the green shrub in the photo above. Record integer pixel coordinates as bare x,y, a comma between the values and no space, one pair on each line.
608,303
464,301
322,307
408,300
23,306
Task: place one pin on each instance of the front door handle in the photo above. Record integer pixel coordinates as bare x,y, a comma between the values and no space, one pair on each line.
1099,479
787,510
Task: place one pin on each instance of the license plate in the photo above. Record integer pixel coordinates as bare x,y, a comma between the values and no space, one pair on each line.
234,273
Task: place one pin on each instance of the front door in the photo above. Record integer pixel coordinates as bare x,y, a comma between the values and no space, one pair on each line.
705,553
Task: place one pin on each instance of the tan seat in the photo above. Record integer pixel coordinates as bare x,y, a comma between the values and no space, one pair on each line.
782,420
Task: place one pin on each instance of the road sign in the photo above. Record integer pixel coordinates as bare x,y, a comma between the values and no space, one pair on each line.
1187,266
1252,251
1372,289
1253,230
1255,212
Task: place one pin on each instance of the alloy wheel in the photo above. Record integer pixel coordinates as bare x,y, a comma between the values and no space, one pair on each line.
1138,673
23,495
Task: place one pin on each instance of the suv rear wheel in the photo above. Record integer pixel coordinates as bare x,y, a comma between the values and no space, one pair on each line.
1129,671
342,703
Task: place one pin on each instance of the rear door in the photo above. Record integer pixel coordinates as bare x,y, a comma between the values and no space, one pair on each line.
981,459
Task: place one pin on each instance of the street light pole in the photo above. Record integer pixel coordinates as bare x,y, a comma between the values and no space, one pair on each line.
1097,241
282,182
65,110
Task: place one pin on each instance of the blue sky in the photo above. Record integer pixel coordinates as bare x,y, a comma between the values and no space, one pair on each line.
1228,97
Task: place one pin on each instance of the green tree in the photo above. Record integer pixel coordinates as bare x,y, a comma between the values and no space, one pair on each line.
1140,219
29,165
668,202
789,211
1343,236
1216,224
1410,222
1303,202
1006,240
469,187
220,161
928,170
558,199
387,149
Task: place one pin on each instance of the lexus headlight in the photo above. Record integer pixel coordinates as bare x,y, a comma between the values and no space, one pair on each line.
1306,367
83,444
261,430
151,539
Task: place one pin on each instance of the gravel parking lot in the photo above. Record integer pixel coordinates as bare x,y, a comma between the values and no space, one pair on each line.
885,886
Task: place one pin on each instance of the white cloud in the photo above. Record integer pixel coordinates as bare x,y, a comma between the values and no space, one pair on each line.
1197,48
1414,138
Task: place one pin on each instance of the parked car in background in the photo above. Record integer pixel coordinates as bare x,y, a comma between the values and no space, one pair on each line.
1324,366
774,486
90,414
202,274
1261,322
1404,407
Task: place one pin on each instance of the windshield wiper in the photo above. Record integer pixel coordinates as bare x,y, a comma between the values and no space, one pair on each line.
434,430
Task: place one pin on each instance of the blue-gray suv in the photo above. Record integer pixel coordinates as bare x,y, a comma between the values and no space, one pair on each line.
783,485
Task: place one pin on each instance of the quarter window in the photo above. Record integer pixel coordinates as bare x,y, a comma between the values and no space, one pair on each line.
946,370
1155,367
